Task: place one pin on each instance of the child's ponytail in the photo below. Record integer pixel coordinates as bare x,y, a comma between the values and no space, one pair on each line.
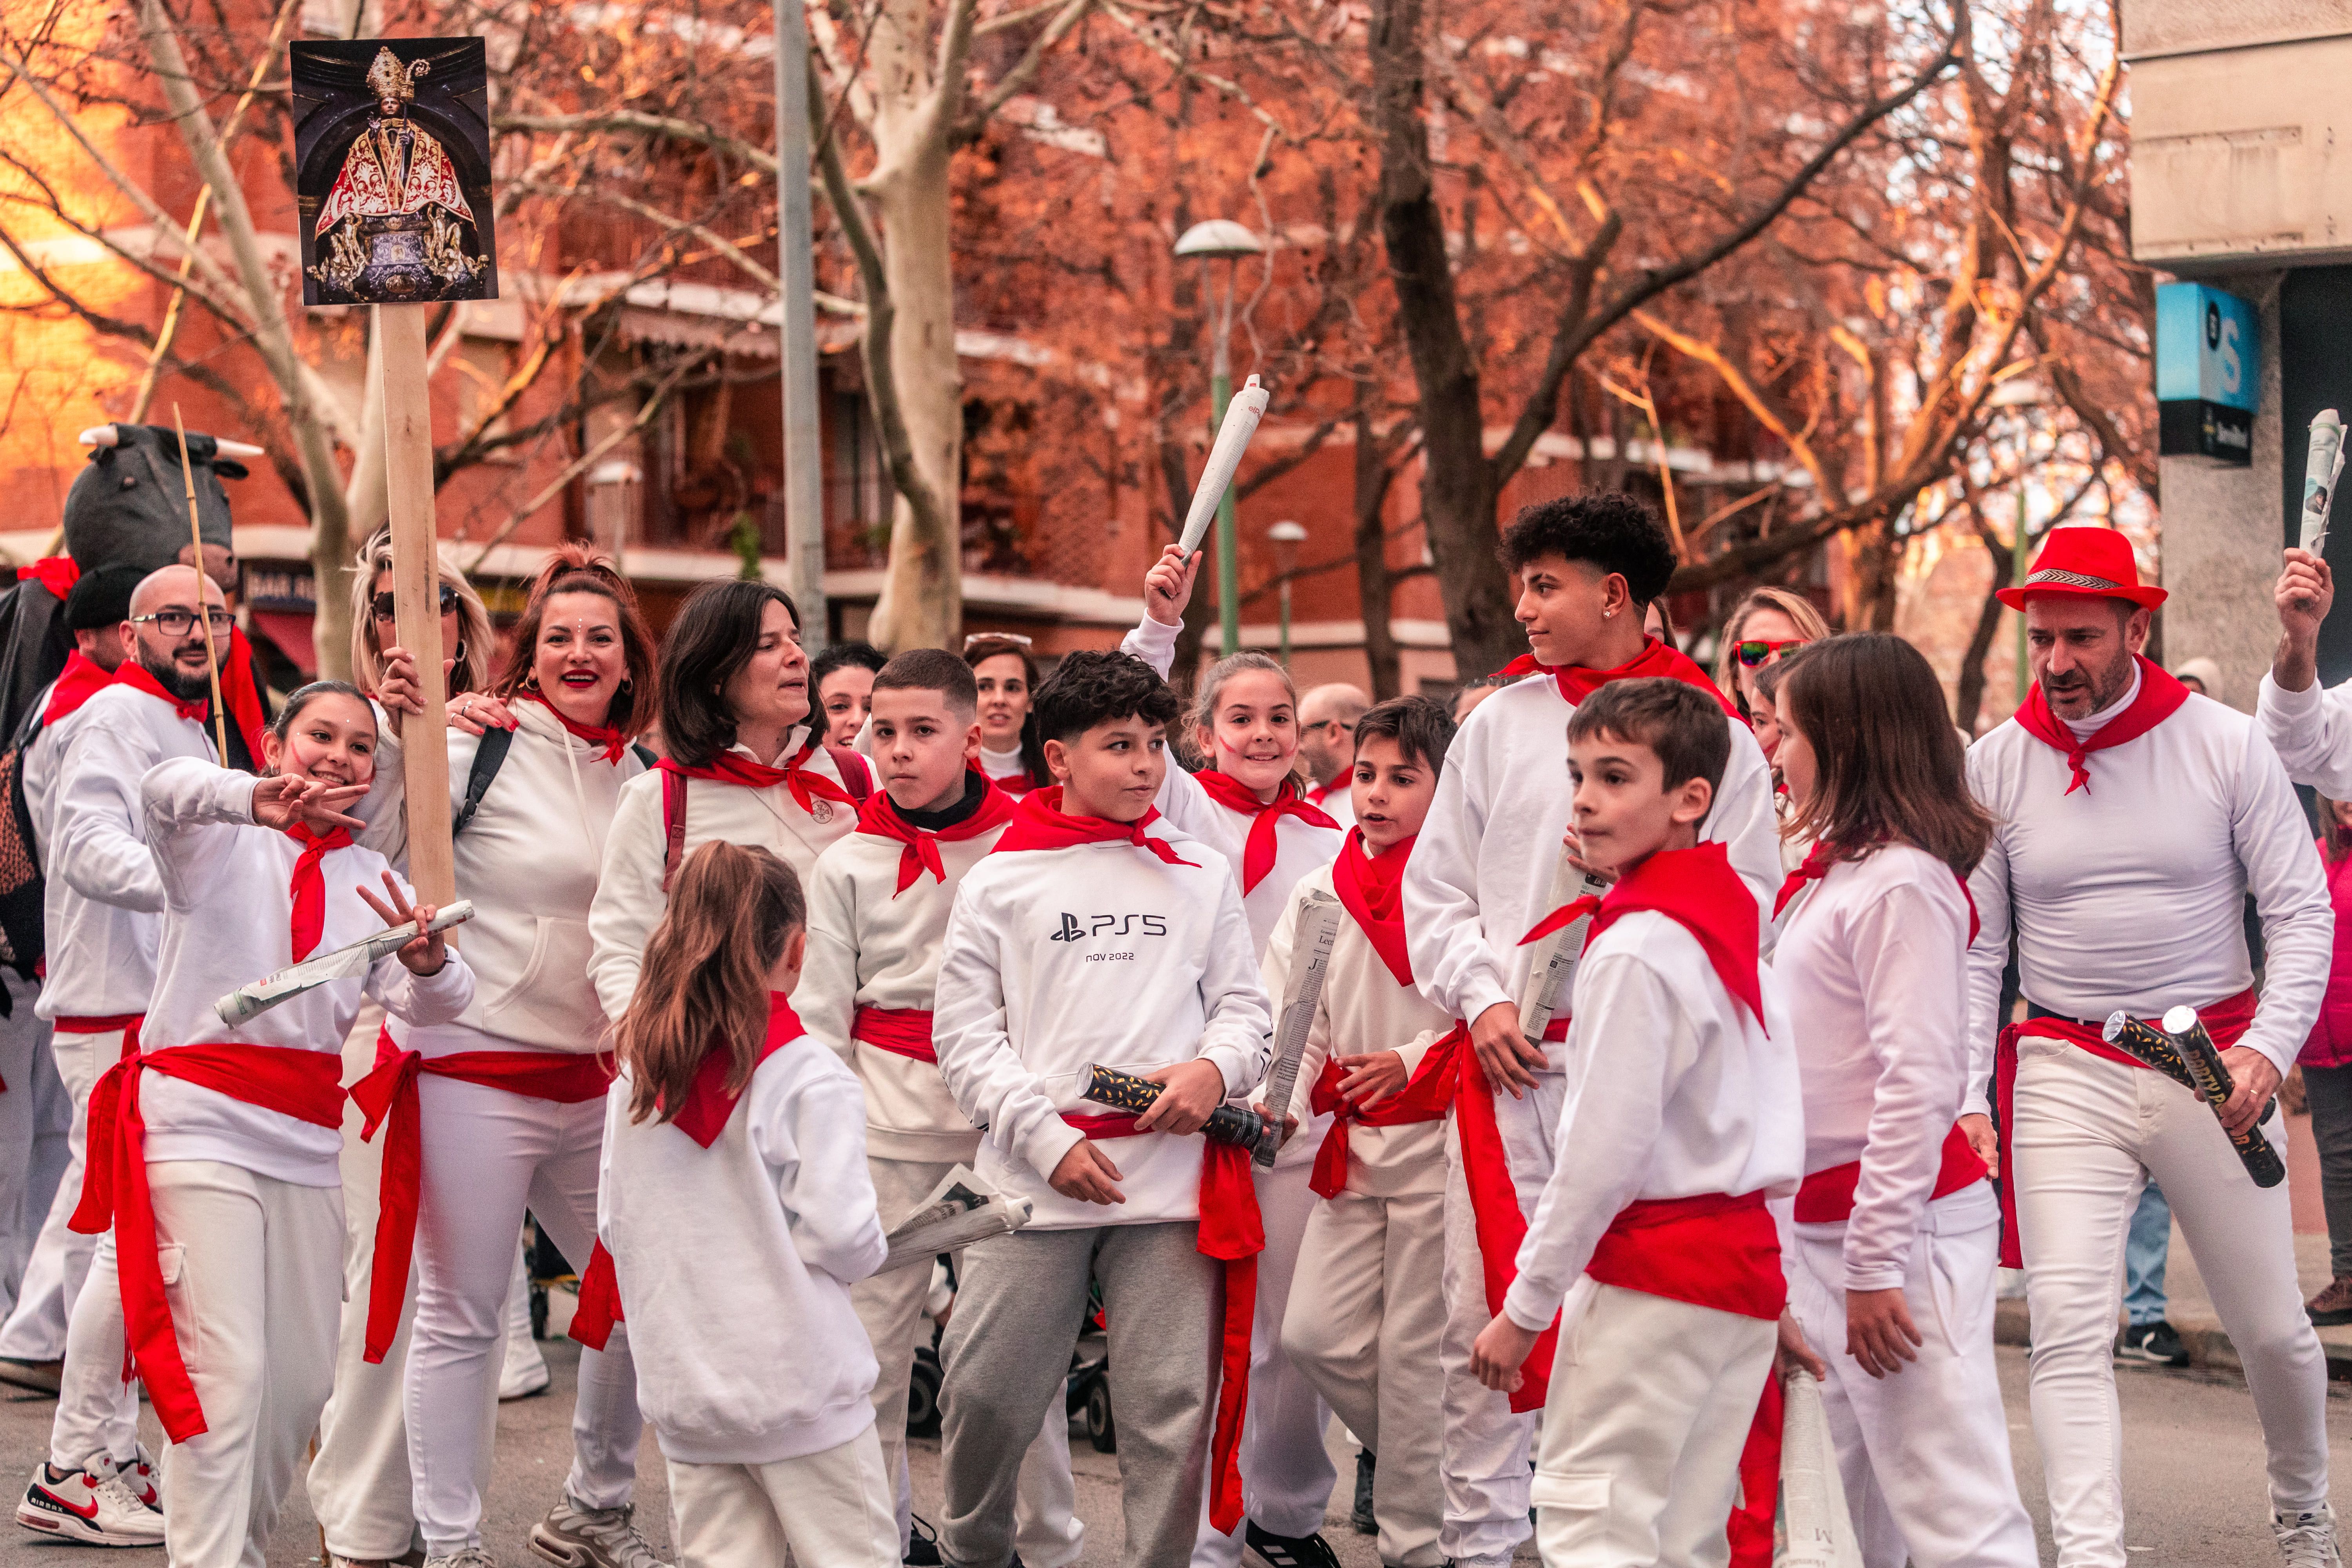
705,986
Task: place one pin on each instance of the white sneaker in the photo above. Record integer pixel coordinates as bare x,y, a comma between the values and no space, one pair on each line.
464,1557
524,1373
2307,1540
574,1535
138,1473
91,1505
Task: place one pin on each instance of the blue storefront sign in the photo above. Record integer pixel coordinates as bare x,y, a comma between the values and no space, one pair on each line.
2208,373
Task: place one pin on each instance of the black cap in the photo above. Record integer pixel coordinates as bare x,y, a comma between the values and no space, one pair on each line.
101,598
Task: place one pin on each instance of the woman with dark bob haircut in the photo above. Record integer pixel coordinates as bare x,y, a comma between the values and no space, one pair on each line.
745,765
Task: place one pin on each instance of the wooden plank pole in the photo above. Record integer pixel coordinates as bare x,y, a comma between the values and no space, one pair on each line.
416,592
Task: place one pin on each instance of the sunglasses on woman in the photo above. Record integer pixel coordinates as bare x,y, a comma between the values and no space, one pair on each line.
384,602
1752,654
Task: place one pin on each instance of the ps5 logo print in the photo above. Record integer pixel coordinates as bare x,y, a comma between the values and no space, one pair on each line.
1076,930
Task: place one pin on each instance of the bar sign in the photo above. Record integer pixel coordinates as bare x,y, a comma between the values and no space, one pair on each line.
2207,374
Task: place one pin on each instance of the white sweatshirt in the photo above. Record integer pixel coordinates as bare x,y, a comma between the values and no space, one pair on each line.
872,946
1102,953
103,892
1362,1010
1482,869
734,1264
1298,846
2311,730
2130,892
1872,960
629,899
1673,1091
1338,803
228,923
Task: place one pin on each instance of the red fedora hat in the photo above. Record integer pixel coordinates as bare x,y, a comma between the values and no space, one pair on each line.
2084,562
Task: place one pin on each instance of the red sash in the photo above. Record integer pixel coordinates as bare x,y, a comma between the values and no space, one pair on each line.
901,1031
241,696
81,680
1827,1196
102,1026
1656,659
1424,1098
1233,1232
1495,1208
1715,1250
305,1084
2226,1020
1258,851
879,816
390,1092
2159,696
1040,823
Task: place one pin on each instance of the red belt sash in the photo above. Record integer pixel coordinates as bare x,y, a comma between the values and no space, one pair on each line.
390,1092
1827,1196
2225,1020
1231,1232
901,1031
1495,1208
305,1084
1424,1098
1715,1250
102,1026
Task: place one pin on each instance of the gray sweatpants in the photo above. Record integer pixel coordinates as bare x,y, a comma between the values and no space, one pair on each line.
1019,1306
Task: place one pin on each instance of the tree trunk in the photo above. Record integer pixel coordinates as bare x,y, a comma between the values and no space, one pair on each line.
1968,700
1374,587
1458,491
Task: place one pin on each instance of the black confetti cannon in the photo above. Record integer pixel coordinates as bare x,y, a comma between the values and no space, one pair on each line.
1227,1124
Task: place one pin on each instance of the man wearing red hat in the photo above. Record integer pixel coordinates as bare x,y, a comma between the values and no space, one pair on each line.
2133,818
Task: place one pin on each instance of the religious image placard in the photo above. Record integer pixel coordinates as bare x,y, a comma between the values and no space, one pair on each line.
392,174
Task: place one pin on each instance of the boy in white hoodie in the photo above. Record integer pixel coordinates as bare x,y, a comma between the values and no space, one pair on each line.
1096,935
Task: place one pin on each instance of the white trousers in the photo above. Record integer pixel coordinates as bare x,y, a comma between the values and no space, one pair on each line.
2086,1136
831,1508
1286,1474
488,1155
253,1269
36,1326
1484,1444
97,1413
1651,1404
1924,1454
1047,1532
1367,1312
35,1124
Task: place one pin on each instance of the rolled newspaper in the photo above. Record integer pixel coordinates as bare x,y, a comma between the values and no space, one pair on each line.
1227,1124
1815,1530
1551,967
249,1002
2322,462
2214,1084
1310,959
1242,416
960,1210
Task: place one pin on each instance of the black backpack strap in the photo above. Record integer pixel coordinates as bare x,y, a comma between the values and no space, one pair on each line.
644,754
488,757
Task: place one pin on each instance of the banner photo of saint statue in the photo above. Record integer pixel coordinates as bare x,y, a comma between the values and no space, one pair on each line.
392,174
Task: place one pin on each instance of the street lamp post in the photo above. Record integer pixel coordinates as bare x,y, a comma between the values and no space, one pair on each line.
1286,537
1221,239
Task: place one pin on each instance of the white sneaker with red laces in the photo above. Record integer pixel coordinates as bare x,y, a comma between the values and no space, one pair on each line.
92,1505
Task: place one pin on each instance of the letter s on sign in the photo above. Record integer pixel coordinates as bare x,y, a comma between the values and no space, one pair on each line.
2233,374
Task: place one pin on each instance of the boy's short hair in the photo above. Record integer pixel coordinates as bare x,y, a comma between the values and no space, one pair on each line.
1095,686
1610,532
1684,726
1420,726
932,669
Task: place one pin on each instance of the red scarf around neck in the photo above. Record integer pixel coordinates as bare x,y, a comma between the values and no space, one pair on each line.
1823,857
1039,823
734,767
1372,889
2158,698
81,680
134,675
1656,659
707,1105
1698,890
879,816
614,742
1258,852
306,894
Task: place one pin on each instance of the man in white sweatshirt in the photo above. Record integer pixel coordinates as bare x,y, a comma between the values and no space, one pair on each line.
1094,935
878,904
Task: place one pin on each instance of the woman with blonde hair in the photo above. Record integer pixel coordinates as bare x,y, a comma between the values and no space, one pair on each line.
1766,624
466,640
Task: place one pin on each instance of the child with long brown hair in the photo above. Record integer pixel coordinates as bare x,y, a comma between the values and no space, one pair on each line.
738,1210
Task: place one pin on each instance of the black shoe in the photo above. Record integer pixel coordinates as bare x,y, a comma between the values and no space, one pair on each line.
2154,1343
1360,1517
1285,1550
923,1544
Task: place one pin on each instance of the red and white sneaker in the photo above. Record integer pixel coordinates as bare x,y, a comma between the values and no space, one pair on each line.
92,1505
138,1473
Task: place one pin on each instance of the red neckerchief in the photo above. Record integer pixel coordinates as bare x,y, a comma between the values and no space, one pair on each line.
707,1105
1039,823
241,697
1822,856
306,892
2159,695
1322,792
1013,784
1575,683
614,743
880,815
1372,889
134,675
81,680
1698,890
1258,850
58,573
734,767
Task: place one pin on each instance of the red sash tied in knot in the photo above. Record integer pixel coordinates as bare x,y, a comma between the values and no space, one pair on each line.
305,1084
2160,697
613,744
1424,1098
134,675
1715,1250
306,894
1827,1196
880,817
1039,823
901,1031
1258,851
1657,660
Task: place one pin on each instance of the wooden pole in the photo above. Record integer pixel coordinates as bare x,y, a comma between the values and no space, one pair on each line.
204,599
416,592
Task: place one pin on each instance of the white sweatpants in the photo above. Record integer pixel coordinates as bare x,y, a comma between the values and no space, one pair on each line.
831,1508
1047,1531
1484,1444
1924,1454
1367,1310
1286,1473
253,1268
36,1326
36,1122
2087,1134
1651,1404
487,1154
97,1413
